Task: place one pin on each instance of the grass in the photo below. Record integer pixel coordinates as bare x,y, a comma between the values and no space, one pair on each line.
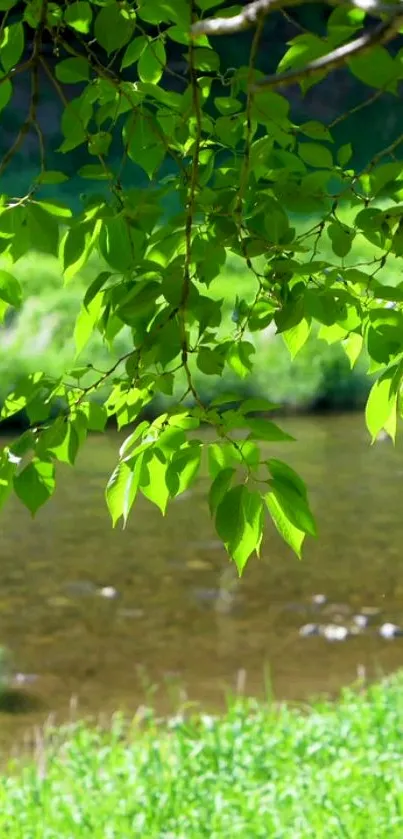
333,770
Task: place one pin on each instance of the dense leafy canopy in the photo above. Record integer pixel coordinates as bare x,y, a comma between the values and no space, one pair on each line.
238,171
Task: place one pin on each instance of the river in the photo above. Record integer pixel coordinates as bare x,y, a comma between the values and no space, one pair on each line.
181,624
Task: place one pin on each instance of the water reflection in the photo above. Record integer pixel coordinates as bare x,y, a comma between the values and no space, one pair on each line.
89,610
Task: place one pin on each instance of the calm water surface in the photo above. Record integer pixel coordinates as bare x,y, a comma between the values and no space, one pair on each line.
181,619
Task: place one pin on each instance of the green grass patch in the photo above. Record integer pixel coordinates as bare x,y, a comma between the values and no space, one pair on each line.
333,770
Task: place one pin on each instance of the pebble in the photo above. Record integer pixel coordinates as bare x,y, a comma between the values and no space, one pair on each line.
333,632
319,599
361,621
24,678
309,629
390,630
109,592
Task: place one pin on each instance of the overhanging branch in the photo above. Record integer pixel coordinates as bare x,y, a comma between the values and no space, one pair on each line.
380,35
254,12
250,15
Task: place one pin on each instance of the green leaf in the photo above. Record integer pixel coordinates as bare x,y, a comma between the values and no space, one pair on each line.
303,48
316,131
152,62
239,523
282,471
315,155
344,154
95,287
96,414
341,238
78,15
220,487
381,404
63,446
116,244
85,323
353,346
153,478
35,484
76,247
376,68
72,70
134,51
210,361
114,26
263,429
116,489
293,504
8,466
220,456
23,393
6,90
51,177
95,172
10,289
297,336
253,405
227,105
43,228
183,469
132,486
164,11
132,438
12,45
239,356
291,534
99,143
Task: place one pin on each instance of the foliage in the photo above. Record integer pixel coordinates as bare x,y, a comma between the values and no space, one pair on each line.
257,771
240,169
40,336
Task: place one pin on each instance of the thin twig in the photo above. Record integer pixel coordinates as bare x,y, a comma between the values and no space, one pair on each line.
190,208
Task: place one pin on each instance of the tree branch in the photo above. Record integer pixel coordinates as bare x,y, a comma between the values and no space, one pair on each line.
383,33
253,12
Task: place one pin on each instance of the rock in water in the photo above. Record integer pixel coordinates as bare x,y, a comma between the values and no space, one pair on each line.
333,632
309,629
390,630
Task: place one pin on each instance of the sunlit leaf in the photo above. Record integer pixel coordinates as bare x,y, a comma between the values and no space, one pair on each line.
239,523
11,45
297,336
153,478
183,469
291,534
35,484
116,489
381,404
78,15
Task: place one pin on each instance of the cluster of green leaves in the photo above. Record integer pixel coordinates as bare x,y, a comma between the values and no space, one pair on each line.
240,168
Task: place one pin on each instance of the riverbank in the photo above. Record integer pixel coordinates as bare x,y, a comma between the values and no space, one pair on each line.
329,771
